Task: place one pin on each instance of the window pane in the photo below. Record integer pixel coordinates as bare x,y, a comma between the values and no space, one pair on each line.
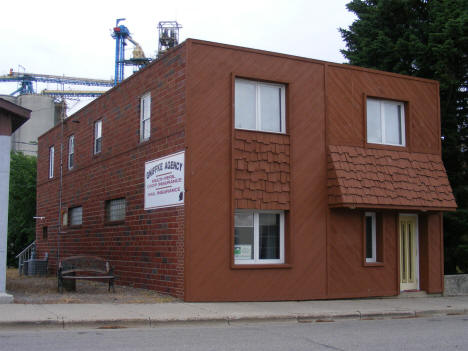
70,161
374,128
245,105
146,129
97,146
98,129
243,236
369,238
393,122
116,210
270,108
76,215
71,144
269,235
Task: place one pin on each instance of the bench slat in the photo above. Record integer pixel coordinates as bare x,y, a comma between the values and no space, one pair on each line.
88,277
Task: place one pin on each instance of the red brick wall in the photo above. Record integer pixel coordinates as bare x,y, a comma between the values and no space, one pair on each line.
147,249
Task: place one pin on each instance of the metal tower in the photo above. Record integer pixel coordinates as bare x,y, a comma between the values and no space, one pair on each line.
121,34
168,35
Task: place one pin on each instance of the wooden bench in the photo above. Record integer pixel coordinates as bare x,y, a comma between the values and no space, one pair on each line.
85,267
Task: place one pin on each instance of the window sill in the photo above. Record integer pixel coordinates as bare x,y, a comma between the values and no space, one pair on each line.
373,264
78,226
114,222
260,131
261,266
386,147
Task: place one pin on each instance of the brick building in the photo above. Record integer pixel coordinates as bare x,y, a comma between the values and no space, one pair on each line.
220,173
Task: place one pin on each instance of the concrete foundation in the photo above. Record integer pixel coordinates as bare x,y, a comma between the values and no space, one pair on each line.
456,285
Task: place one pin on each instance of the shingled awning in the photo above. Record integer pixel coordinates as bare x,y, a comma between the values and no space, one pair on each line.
375,178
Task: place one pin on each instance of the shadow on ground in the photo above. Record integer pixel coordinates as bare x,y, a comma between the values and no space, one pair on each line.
43,290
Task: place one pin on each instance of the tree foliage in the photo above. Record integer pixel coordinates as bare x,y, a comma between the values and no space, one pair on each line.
425,38
22,204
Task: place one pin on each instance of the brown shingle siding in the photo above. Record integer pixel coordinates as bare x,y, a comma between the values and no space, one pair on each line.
262,170
373,177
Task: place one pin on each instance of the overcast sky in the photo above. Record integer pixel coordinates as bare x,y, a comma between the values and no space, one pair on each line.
73,38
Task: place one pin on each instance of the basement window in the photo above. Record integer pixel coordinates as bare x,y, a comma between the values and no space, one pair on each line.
260,106
75,216
258,237
115,210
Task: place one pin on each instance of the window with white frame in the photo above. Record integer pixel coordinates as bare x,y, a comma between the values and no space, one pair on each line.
371,237
258,237
51,161
145,117
260,106
71,151
385,122
115,210
75,215
97,136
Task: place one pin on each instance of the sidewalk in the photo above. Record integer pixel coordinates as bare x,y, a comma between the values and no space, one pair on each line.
14,316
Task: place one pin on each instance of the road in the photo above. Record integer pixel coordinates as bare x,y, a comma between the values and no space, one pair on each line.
437,333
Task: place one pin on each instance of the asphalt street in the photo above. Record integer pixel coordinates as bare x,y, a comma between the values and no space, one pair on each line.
435,333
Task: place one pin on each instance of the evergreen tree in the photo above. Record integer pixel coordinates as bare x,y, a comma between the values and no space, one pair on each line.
425,38
21,205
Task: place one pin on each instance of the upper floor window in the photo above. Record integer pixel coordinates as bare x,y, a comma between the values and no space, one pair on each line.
258,237
71,152
385,122
145,117
260,106
97,136
51,161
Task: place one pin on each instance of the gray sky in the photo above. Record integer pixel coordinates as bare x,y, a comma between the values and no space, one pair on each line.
73,38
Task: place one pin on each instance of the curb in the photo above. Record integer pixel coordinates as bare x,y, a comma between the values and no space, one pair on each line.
228,321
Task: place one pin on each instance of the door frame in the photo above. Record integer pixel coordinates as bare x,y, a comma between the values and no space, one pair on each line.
416,233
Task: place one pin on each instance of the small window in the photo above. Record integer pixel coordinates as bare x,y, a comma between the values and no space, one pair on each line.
71,151
45,233
373,237
75,215
385,122
260,106
258,237
97,136
51,162
115,210
145,117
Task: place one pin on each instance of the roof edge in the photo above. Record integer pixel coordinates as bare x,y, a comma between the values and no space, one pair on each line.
353,206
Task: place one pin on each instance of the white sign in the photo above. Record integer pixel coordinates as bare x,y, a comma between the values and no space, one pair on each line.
243,252
164,181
